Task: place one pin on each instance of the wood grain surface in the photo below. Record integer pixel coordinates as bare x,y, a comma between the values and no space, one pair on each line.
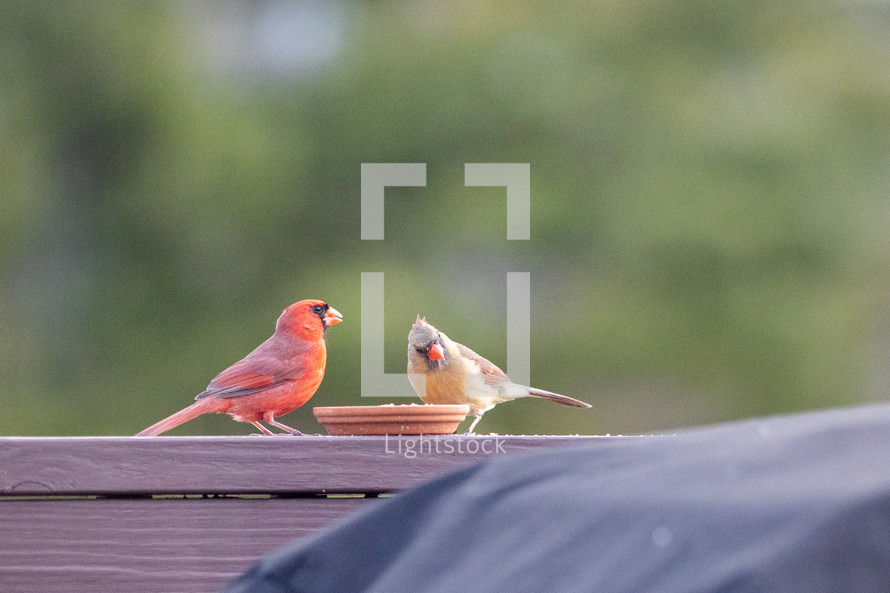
187,514
243,465
148,546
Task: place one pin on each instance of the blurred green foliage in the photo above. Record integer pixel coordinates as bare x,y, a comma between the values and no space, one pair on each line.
709,213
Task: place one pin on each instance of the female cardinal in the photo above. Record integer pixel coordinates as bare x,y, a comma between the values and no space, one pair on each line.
276,378
457,375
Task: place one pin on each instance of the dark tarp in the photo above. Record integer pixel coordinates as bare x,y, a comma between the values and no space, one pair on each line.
779,504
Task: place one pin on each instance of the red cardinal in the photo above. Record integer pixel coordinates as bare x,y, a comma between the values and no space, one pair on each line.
276,378
457,375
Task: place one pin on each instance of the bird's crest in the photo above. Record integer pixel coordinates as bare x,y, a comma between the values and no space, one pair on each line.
421,322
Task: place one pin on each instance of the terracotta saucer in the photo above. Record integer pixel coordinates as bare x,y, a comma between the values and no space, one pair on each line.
391,419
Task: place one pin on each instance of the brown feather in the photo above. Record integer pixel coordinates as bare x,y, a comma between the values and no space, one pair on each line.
454,379
556,397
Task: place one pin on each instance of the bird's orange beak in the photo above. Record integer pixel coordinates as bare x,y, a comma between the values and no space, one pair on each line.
332,317
436,352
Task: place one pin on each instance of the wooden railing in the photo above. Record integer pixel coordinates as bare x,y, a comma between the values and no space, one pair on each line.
170,514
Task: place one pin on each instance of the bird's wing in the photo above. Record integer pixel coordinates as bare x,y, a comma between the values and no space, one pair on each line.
261,369
478,364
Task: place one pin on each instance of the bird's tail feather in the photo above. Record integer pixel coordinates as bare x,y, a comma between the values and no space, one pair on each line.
560,399
202,406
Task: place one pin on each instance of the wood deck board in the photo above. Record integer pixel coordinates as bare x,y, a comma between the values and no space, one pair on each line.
148,546
242,465
170,514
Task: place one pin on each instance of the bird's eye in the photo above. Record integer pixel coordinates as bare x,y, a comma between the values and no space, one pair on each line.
421,350
318,309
